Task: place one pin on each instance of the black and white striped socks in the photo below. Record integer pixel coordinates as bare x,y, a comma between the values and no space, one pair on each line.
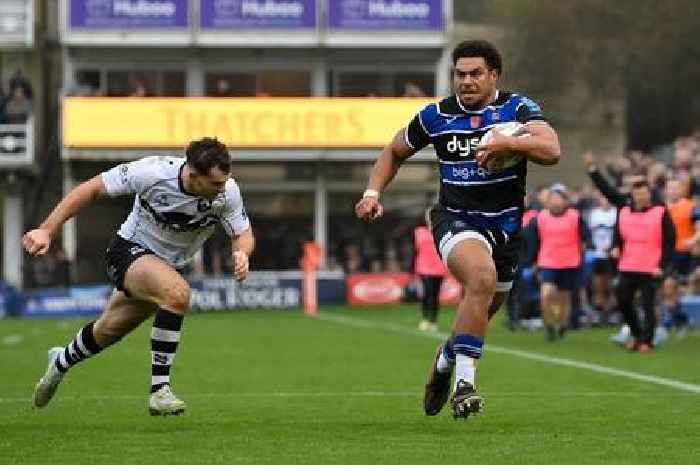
165,336
81,347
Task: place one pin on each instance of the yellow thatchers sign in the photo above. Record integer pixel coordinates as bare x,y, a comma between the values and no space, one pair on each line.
239,122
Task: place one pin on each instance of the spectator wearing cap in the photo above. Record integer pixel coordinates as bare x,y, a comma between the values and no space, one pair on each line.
560,232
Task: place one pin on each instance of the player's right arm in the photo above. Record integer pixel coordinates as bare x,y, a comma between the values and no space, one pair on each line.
127,178
383,171
37,241
405,143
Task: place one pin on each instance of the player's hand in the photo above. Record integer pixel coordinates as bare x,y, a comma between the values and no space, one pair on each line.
240,265
36,242
369,209
499,145
615,253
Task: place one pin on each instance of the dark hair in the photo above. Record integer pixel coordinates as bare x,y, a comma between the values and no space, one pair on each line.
640,184
207,153
479,48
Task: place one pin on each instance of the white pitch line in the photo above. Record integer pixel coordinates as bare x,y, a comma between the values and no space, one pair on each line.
680,385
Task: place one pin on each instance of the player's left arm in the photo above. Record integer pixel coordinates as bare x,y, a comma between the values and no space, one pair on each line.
235,222
537,140
242,245
542,145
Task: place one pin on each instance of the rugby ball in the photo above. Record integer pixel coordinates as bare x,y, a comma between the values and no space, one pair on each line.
511,128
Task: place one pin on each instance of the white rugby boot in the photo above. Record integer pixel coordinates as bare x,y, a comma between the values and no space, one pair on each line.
47,385
164,402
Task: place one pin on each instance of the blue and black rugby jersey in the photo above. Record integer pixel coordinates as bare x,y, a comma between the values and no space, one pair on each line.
490,199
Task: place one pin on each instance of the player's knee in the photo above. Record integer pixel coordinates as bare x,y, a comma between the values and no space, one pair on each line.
482,280
177,298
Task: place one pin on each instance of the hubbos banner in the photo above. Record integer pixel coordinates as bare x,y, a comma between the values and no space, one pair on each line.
258,14
416,15
128,14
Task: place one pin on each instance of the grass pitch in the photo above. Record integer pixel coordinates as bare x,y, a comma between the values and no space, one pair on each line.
267,387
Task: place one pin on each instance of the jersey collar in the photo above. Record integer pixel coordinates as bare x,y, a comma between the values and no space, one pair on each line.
181,183
452,106
465,110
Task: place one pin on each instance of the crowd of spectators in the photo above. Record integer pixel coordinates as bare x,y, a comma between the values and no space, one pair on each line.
16,96
671,168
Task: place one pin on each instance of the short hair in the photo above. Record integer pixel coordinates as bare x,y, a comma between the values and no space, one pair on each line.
479,48
207,153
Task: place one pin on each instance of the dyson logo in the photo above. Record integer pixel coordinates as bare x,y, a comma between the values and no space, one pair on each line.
272,8
398,9
144,8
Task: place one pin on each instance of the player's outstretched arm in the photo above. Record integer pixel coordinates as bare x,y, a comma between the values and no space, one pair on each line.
37,241
383,172
242,246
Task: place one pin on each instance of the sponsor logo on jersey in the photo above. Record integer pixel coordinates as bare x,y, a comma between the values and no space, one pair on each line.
469,172
462,147
178,221
475,121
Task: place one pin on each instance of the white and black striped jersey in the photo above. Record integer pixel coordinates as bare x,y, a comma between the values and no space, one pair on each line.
167,219
601,223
